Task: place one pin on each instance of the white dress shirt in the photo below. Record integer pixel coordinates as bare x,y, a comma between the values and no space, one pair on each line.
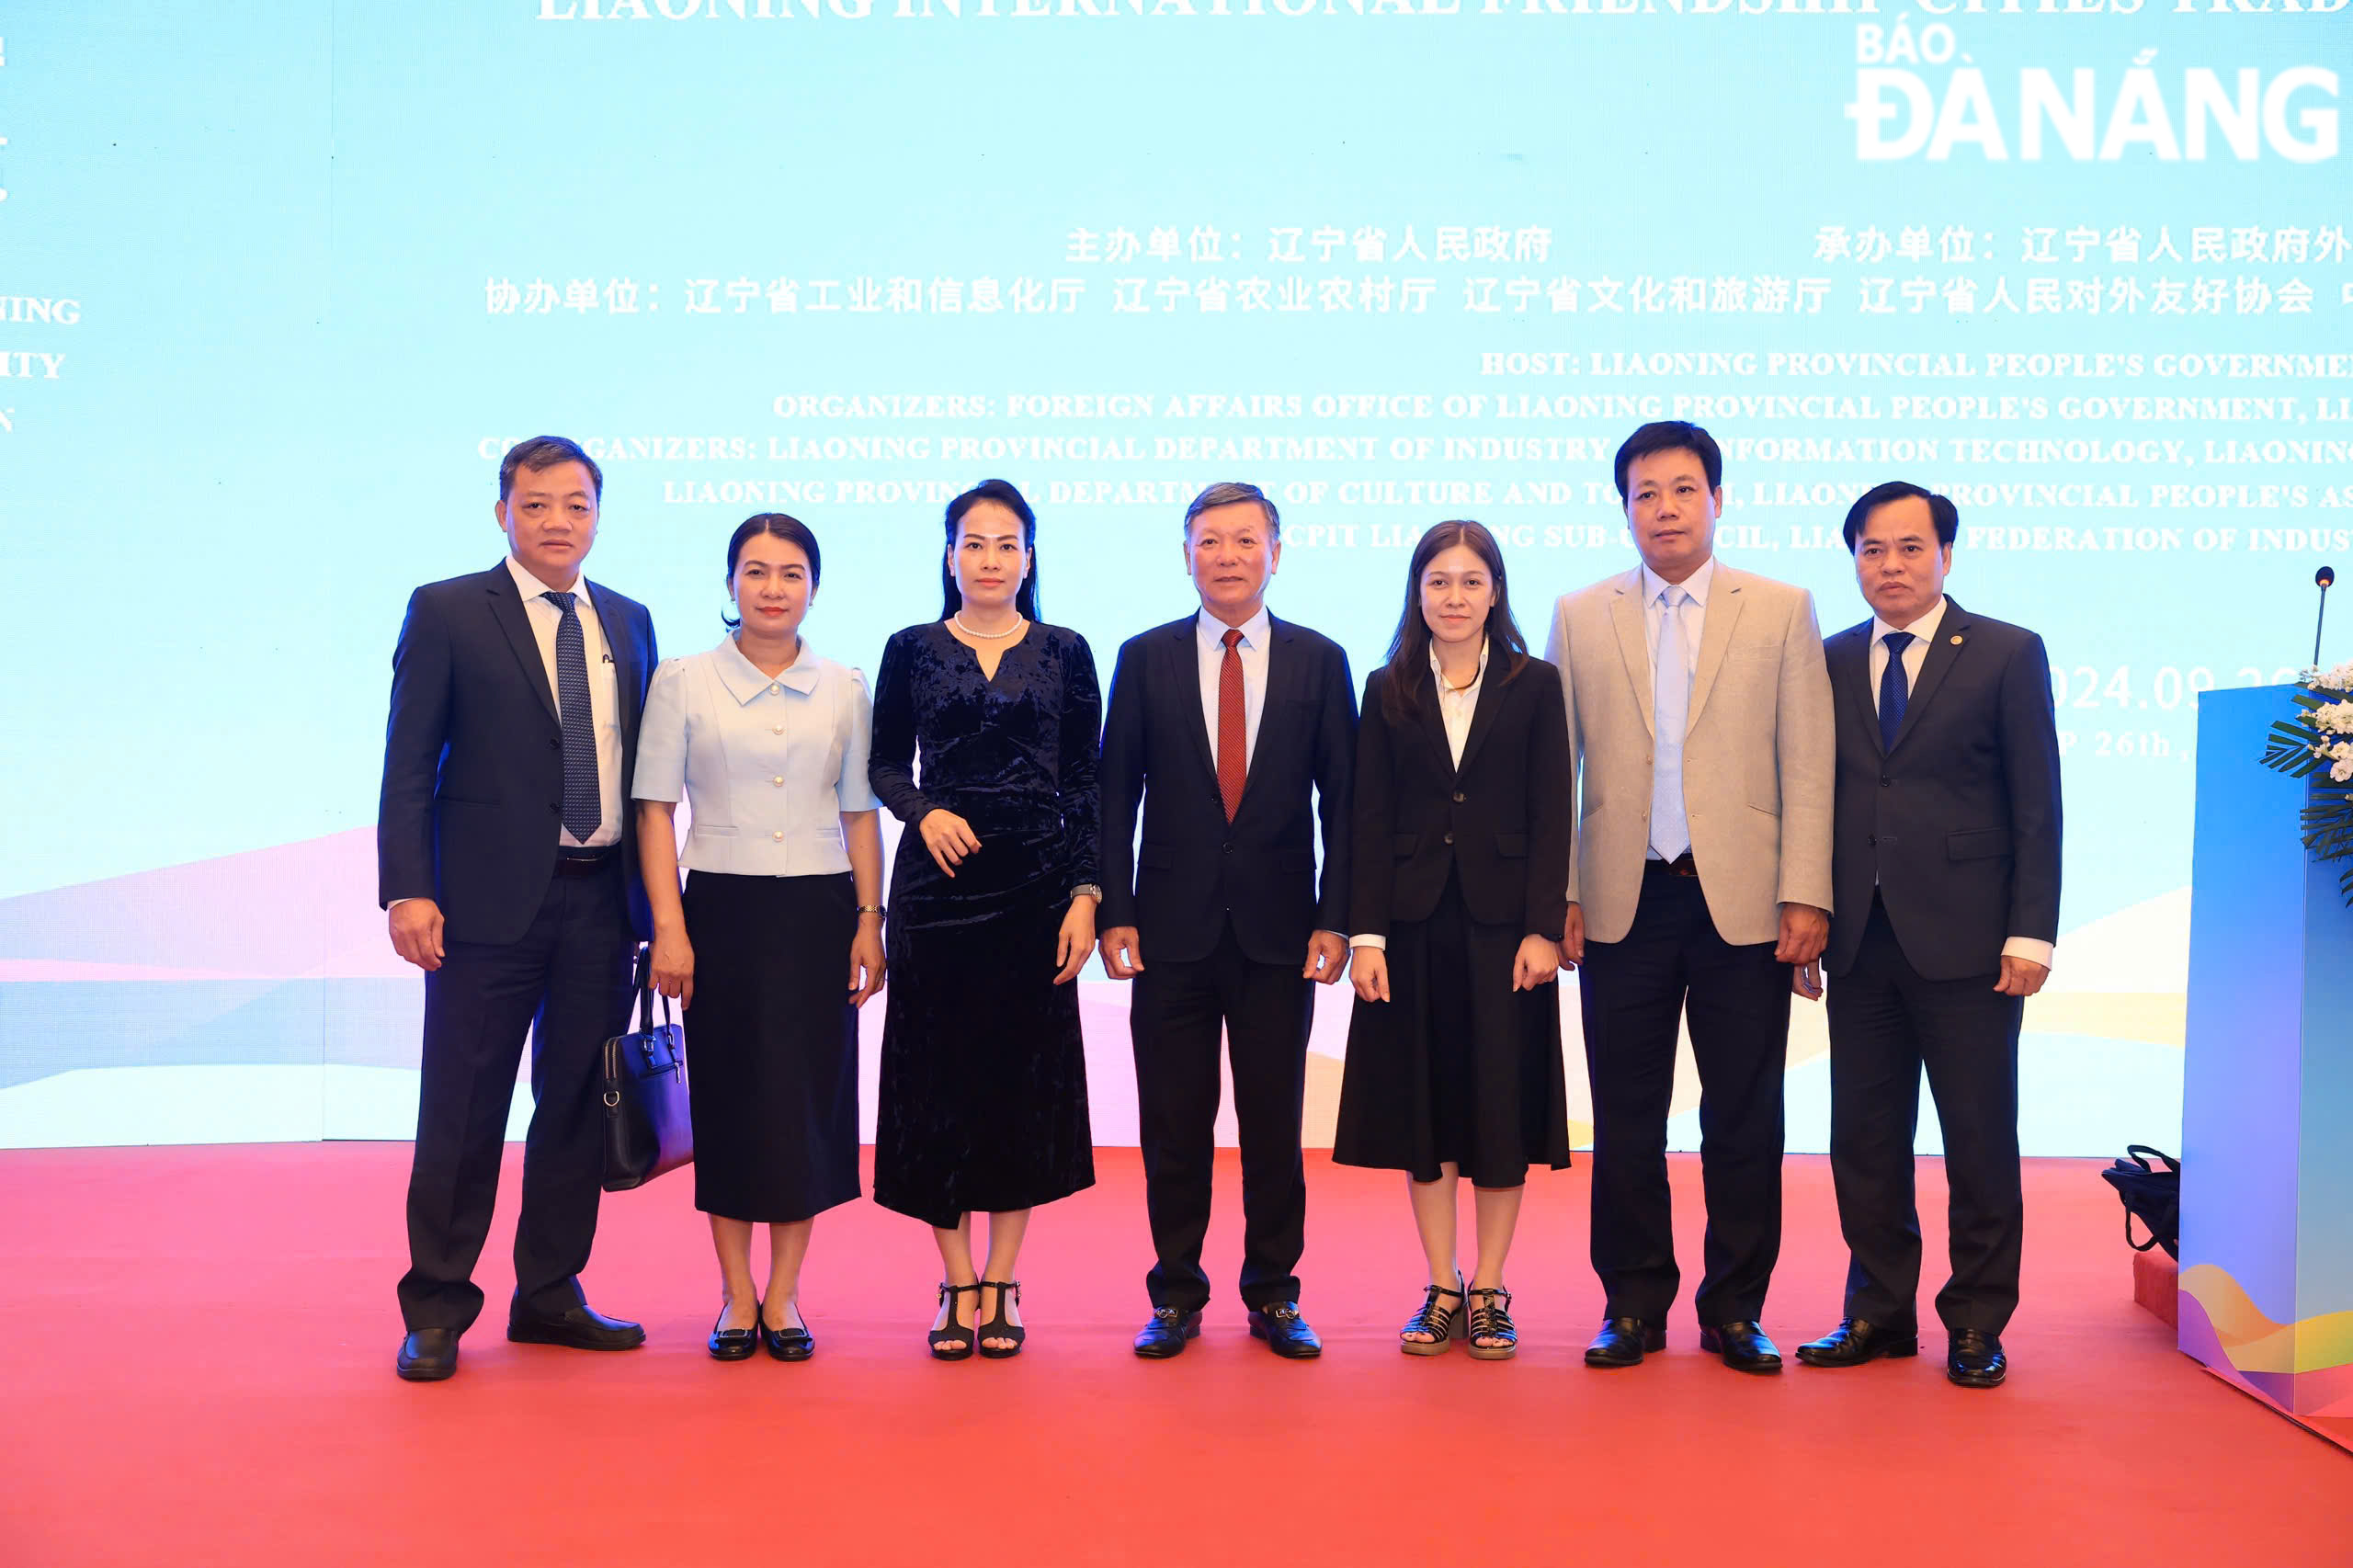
1691,619
766,763
1455,710
604,694
1209,638
1915,655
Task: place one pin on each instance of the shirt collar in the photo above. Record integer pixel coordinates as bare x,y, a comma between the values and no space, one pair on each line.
745,681
1925,628
530,587
1694,585
1211,631
1439,674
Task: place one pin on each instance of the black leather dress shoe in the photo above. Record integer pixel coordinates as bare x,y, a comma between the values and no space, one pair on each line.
428,1355
1743,1345
793,1343
582,1328
1165,1335
1285,1332
733,1344
1857,1340
1622,1342
1975,1360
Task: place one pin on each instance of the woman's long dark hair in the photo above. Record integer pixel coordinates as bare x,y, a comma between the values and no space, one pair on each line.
1409,650
792,530
1025,599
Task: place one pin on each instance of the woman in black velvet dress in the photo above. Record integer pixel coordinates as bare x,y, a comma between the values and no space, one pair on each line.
982,1102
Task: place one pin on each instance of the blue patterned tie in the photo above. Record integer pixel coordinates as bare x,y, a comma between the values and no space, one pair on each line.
584,806
1671,713
1894,689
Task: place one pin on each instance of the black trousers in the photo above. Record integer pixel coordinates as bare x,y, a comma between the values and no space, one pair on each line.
1672,965
1886,1024
567,982
1175,1018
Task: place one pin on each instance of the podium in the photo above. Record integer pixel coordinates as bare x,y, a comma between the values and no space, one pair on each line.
2267,1205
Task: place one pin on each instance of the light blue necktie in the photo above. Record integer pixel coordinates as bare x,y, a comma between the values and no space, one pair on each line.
583,805
1671,709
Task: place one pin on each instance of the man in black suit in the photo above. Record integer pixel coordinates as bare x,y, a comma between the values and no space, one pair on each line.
504,863
1223,724
1945,868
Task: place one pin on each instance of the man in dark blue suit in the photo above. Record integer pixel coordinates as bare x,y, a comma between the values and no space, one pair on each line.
505,866
1945,872
1234,732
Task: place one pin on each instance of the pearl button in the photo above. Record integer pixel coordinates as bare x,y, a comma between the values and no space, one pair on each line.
773,686
777,836
778,780
779,730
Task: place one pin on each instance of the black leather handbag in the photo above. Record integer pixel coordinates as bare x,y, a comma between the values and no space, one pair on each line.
2151,1196
647,1128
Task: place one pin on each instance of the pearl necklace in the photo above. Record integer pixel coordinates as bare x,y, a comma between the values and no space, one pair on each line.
957,621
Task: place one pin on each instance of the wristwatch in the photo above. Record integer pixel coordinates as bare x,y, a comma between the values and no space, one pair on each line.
1087,890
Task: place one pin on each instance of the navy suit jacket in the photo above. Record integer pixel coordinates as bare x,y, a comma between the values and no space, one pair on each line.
473,756
1958,821
1194,867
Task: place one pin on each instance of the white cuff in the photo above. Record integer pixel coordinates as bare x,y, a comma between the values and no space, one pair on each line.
2029,949
1378,944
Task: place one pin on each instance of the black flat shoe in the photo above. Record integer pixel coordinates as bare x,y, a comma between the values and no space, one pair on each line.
791,1343
1285,1332
428,1356
734,1344
1492,1320
1165,1335
1000,1326
963,1338
1742,1347
1443,1324
1623,1342
582,1328
1857,1340
1975,1360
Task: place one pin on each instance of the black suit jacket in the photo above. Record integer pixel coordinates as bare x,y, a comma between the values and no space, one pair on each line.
1193,867
1958,821
1500,821
473,756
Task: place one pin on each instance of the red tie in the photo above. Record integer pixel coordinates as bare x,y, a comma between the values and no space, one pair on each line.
1232,733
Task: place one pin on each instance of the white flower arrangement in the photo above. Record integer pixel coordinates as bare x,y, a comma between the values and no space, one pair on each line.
2320,737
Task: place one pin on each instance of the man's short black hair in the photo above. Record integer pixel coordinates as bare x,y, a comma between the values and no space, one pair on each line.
1941,511
542,452
1672,436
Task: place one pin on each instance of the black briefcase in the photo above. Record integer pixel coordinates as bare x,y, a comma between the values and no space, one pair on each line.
648,1129
2150,1195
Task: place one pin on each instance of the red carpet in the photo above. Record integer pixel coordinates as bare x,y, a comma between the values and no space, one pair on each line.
197,1368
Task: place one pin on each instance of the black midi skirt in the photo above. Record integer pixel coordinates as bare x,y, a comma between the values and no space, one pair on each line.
772,1044
1456,1066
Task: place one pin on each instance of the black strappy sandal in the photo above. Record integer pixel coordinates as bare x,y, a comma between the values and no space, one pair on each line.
1443,1324
999,1326
1493,1322
951,1329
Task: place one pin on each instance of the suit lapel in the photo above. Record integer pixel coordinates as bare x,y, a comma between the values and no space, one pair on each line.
628,681
506,608
1849,658
1282,677
1626,616
1482,717
1945,647
1186,681
1715,636
1429,719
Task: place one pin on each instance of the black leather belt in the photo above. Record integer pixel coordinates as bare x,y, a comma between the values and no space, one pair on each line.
1681,866
586,862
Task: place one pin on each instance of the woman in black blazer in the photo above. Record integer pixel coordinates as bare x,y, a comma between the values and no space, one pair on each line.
1461,848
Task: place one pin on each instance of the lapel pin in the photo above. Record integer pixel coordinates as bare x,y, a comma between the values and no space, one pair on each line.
1956,639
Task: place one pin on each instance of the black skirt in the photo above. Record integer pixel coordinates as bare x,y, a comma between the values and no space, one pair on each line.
1456,1066
772,1044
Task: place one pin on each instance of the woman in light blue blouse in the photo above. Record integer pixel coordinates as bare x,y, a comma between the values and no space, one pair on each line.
767,743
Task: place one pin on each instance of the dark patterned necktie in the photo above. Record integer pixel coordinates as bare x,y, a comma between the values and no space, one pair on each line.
1232,728
583,805
1893,688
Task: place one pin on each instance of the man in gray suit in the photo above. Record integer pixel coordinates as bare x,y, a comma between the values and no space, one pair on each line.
1702,743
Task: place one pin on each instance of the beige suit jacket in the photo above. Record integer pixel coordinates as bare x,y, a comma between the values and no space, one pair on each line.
1759,752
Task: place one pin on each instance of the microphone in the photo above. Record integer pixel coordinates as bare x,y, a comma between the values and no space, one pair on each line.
2325,578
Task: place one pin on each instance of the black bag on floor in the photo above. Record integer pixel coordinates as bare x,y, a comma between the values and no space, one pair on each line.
647,1129
2151,1196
